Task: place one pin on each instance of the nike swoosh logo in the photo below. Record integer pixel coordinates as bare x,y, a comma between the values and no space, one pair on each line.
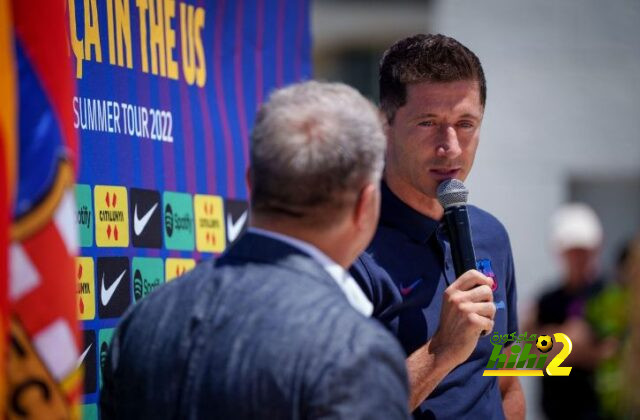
406,290
234,229
500,305
83,355
139,224
107,293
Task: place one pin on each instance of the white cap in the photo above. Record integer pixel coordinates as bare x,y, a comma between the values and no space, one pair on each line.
575,225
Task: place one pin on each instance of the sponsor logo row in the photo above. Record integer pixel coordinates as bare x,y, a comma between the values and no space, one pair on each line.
144,219
109,286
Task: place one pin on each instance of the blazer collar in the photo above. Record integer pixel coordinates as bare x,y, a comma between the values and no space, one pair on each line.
260,248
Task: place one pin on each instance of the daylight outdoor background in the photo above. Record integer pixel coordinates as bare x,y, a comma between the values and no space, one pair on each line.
562,121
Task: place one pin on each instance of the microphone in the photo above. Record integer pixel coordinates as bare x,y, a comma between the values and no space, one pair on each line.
452,195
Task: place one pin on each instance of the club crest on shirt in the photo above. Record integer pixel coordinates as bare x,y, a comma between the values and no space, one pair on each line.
484,266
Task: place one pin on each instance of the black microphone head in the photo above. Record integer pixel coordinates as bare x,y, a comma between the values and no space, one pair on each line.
452,192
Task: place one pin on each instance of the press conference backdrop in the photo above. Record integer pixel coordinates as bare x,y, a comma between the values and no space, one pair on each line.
166,95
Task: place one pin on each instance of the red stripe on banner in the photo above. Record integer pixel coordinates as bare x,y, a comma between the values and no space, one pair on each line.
189,155
123,154
187,136
280,44
146,147
258,52
40,27
209,147
209,140
239,80
55,295
302,7
220,101
168,155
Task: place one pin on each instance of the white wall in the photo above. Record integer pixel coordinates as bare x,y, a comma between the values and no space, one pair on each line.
563,100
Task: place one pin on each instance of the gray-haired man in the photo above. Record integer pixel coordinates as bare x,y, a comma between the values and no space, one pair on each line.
275,328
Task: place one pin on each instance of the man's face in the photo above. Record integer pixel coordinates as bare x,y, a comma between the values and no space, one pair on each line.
434,136
580,265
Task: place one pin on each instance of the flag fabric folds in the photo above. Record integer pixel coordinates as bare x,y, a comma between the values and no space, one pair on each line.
37,230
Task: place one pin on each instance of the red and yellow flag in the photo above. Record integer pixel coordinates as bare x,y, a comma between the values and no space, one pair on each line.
38,238
7,175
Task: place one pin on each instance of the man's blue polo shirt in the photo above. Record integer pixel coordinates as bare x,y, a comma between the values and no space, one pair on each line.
405,271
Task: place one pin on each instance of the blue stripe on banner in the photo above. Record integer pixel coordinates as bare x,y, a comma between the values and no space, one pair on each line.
269,51
250,47
229,98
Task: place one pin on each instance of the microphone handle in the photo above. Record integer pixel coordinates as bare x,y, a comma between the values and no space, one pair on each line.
457,221
464,257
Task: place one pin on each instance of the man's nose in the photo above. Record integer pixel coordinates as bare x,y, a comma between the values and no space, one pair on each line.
448,144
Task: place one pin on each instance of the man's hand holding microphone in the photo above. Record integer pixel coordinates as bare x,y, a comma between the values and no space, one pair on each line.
467,304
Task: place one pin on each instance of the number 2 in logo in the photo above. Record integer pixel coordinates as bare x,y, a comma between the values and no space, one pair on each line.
554,368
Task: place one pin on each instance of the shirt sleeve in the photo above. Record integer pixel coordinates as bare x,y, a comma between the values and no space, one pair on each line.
367,380
360,274
376,283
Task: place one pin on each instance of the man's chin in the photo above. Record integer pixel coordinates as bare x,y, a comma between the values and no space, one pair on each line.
430,191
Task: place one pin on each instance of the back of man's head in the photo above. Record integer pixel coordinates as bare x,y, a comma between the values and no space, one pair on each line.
425,58
313,147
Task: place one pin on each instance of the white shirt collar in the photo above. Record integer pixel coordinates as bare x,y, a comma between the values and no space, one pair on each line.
343,279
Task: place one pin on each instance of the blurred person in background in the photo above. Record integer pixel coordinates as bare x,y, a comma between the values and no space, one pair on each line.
576,237
609,313
433,93
275,328
631,357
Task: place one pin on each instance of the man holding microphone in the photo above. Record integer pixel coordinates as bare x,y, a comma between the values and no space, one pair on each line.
433,93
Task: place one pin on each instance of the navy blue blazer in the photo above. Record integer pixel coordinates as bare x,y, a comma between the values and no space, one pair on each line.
263,332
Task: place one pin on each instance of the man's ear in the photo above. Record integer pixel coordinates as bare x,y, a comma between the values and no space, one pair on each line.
367,208
247,179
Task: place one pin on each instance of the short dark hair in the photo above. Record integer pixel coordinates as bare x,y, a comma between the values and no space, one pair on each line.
425,58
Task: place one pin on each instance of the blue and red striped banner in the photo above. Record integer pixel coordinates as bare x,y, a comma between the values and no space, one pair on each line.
182,198
250,47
